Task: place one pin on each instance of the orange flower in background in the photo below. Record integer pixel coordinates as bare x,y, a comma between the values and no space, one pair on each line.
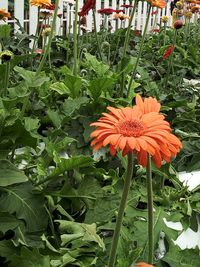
158,3
4,14
140,129
143,264
40,3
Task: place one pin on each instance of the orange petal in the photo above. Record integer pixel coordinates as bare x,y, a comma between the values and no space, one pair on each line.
117,112
142,158
131,142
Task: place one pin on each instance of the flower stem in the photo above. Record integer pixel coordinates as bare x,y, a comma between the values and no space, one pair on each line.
165,28
47,48
170,64
140,51
150,211
96,35
120,215
75,68
126,42
7,74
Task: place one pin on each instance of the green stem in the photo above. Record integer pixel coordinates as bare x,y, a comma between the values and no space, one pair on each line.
126,42
165,27
150,211
47,48
127,38
122,207
96,35
140,50
7,74
170,64
75,68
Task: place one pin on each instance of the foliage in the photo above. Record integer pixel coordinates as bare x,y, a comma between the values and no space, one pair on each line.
58,199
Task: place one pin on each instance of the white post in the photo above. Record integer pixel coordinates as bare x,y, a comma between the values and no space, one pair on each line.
33,17
98,16
59,21
4,4
19,12
139,13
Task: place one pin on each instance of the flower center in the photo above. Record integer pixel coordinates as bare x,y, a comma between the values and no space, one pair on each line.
131,128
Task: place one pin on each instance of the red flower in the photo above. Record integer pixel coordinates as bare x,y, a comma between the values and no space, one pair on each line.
50,7
118,11
126,6
106,11
156,30
83,20
178,24
168,52
154,12
89,4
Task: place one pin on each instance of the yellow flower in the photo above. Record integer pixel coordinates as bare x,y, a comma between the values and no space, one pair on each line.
188,15
46,32
165,19
179,4
4,14
40,3
121,16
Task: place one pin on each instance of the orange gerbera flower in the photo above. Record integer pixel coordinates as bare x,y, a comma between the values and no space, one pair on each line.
169,145
40,3
143,264
157,3
4,14
141,129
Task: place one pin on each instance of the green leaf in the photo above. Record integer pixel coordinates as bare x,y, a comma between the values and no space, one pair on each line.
30,77
8,222
60,88
75,230
71,105
98,85
27,206
98,67
8,249
31,125
70,164
30,258
9,174
55,117
73,83
182,258
5,31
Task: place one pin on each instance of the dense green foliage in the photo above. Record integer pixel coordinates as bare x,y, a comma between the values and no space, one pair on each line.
58,199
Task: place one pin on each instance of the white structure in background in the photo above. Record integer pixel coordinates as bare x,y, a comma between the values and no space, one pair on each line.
64,8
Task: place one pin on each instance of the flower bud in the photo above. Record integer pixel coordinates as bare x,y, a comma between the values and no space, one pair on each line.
178,24
165,19
6,55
